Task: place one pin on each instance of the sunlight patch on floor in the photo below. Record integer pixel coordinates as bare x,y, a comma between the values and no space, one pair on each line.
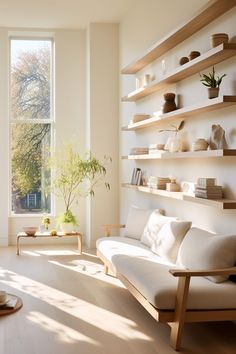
64,333
91,269
31,253
57,252
89,313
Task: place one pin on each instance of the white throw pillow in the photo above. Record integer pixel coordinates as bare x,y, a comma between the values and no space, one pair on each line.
169,239
136,221
202,250
153,226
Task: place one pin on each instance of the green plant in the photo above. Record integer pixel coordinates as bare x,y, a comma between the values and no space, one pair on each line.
211,80
176,128
76,176
46,222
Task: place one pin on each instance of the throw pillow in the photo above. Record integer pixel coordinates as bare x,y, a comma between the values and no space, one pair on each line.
136,221
153,226
201,250
169,238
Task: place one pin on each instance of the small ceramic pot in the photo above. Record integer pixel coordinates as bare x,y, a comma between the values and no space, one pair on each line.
173,186
183,60
200,144
194,54
67,227
219,38
173,145
169,104
213,92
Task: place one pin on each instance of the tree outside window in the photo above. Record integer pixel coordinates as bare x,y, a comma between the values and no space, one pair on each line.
31,124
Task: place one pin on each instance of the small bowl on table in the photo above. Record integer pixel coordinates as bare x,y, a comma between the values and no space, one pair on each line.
30,230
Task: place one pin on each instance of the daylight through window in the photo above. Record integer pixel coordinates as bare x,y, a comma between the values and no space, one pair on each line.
31,118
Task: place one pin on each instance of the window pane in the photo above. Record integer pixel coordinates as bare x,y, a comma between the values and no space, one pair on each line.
30,79
30,172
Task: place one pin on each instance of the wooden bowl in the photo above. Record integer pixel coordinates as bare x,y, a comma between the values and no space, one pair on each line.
30,230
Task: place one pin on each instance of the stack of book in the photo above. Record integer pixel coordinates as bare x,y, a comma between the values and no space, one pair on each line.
155,148
206,188
136,177
139,151
158,182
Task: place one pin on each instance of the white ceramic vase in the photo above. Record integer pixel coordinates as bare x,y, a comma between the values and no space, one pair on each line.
173,144
67,227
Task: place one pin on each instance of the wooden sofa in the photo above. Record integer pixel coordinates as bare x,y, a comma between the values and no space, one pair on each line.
179,313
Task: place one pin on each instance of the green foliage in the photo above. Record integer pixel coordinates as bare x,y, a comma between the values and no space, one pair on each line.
67,217
77,176
211,80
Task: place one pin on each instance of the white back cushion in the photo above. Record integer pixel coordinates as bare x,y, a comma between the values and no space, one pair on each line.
136,221
201,250
153,226
169,238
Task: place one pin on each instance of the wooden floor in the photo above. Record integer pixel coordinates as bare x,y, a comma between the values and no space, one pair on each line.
71,307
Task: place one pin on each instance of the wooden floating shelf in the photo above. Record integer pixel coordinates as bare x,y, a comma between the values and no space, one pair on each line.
203,17
217,203
162,155
212,57
203,107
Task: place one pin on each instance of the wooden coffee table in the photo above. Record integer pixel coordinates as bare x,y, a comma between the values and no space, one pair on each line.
47,234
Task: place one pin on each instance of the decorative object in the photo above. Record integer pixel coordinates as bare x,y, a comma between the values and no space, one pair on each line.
30,230
53,232
169,104
206,188
212,82
3,297
194,54
136,179
46,222
173,186
183,60
219,38
146,79
155,148
158,182
173,144
217,139
76,177
200,144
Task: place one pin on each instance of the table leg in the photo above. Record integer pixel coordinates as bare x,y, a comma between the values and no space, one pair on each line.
18,246
80,243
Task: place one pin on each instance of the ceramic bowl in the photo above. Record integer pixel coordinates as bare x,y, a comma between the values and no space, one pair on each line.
30,230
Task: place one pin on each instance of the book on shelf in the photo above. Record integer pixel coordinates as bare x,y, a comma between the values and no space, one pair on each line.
209,189
208,195
206,182
139,151
136,179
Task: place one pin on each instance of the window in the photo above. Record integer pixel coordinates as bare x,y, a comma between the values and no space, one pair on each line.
31,118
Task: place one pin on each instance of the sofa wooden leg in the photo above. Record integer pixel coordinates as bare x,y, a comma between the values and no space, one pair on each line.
105,269
180,308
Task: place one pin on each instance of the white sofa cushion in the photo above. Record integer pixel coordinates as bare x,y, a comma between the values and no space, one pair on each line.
158,286
201,249
136,221
169,238
153,226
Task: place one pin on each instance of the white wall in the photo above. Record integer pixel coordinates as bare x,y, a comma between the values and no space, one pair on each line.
147,23
103,122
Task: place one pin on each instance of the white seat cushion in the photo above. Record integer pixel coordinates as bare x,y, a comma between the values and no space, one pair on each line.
158,286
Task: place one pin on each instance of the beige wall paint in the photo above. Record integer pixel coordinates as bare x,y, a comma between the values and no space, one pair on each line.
103,122
147,23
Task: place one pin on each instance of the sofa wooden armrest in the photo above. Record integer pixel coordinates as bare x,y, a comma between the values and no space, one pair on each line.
108,228
182,298
202,273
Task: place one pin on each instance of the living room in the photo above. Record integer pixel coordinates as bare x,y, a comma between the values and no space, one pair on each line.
102,103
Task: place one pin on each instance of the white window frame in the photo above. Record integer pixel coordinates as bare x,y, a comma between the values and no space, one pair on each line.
24,35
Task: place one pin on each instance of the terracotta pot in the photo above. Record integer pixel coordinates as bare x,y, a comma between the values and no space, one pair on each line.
213,92
219,38
194,54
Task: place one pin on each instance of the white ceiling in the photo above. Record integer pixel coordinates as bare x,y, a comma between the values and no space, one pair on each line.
61,13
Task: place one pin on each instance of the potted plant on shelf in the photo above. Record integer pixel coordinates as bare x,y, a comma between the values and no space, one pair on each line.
213,83
76,176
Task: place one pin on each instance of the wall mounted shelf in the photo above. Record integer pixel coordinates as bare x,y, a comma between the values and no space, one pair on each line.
212,57
203,17
202,107
217,203
163,155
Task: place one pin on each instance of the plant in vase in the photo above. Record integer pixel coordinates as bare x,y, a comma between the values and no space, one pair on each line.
213,83
173,144
76,176
46,222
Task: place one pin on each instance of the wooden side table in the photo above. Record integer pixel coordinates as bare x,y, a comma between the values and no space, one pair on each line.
47,234
4,310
